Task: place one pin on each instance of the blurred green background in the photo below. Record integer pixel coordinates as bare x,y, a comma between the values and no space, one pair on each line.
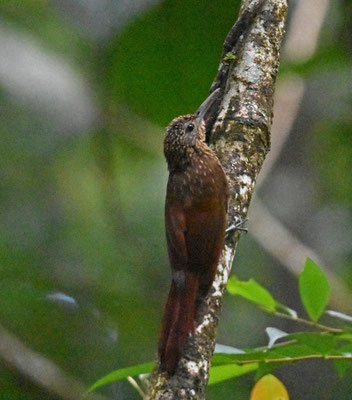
86,89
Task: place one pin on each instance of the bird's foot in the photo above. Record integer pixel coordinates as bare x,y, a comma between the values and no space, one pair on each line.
237,227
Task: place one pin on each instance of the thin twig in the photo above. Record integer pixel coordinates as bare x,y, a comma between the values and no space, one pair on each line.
136,386
39,369
306,322
295,359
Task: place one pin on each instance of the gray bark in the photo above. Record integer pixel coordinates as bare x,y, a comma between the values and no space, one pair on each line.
240,136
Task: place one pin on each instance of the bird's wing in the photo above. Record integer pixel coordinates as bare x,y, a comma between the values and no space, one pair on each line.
175,226
204,238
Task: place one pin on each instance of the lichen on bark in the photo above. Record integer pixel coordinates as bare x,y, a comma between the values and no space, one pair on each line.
240,136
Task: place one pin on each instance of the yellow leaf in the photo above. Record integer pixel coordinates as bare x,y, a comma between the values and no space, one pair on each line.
269,388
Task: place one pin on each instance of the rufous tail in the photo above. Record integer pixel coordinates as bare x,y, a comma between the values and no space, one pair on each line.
178,322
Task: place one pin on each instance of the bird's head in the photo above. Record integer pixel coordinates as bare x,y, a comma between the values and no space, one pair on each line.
187,132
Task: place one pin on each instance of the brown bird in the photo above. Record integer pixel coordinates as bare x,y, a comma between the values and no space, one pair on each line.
195,219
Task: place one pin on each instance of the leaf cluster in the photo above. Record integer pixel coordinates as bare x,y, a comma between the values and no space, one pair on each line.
323,342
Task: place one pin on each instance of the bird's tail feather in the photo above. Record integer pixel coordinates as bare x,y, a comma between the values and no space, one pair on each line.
178,322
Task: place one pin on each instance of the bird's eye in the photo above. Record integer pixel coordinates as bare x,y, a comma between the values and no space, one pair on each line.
189,127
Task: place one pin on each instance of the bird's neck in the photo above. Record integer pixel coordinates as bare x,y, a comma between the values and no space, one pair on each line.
188,157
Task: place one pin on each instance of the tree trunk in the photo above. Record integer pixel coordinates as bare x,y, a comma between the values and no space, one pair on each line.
240,136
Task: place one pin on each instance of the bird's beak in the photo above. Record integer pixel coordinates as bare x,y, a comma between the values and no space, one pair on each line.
190,138
205,106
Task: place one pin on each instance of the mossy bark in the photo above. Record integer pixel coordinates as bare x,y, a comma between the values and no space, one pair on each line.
240,136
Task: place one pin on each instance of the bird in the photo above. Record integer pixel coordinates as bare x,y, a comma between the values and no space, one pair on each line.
195,219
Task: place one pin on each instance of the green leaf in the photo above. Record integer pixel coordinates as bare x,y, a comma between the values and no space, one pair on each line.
250,356
343,365
285,353
252,291
265,368
122,373
345,336
223,359
224,372
314,290
318,342
291,351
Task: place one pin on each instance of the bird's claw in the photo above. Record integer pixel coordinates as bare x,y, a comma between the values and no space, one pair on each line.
237,227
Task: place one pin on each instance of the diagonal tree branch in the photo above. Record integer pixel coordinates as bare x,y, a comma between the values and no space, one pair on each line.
40,370
240,137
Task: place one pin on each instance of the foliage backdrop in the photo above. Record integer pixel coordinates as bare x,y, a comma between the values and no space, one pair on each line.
85,92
